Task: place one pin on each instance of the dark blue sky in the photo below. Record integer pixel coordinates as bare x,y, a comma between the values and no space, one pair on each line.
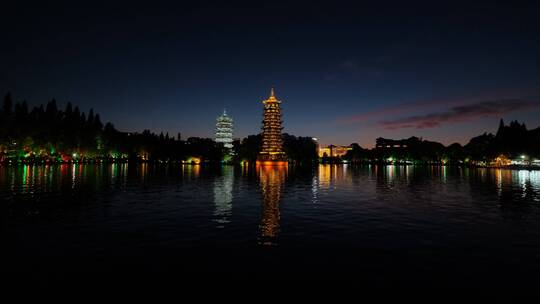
345,72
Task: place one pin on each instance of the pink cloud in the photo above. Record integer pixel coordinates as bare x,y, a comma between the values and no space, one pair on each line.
401,109
461,113
390,111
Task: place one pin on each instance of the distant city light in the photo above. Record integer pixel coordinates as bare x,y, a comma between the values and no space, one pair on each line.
194,160
523,156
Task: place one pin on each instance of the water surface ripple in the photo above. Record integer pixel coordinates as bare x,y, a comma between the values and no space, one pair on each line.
380,224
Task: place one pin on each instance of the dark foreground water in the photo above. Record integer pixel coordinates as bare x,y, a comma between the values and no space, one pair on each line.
380,225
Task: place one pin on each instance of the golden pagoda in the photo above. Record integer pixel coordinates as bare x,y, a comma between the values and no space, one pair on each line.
272,142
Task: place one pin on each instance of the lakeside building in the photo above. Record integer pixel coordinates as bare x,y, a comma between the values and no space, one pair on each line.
333,151
272,141
518,161
523,160
393,144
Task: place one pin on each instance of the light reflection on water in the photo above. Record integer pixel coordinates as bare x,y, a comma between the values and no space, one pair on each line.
27,179
337,195
223,195
272,180
345,216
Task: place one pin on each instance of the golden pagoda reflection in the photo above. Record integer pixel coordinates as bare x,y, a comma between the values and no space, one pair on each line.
272,179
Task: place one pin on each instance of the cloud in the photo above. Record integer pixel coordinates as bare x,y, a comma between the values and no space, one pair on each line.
461,113
387,111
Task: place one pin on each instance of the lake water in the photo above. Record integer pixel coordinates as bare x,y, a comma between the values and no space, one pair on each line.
381,225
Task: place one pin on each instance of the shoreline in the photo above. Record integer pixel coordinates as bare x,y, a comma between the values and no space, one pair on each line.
177,162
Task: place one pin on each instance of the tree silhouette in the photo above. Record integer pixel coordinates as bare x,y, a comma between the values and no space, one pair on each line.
46,133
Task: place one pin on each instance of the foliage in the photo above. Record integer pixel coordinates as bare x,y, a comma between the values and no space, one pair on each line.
298,149
52,134
48,133
511,140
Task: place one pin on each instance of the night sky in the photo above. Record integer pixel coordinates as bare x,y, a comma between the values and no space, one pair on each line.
345,72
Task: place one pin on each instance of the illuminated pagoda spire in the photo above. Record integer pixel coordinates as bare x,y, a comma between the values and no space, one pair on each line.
224,130
272,142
